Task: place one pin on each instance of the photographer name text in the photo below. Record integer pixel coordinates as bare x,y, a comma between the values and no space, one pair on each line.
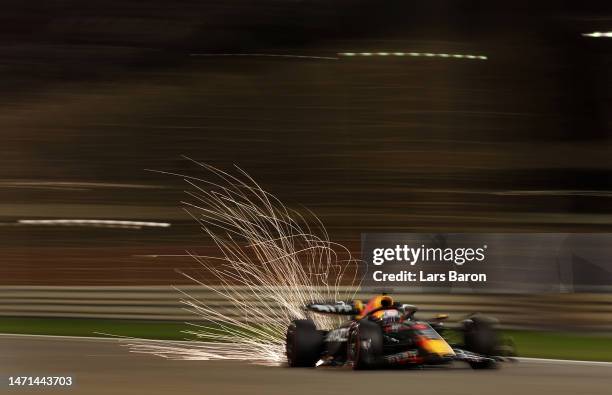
428,255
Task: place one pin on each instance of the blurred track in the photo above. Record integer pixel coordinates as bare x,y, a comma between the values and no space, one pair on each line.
102,367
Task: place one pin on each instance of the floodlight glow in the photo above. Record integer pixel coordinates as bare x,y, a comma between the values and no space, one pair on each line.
598,34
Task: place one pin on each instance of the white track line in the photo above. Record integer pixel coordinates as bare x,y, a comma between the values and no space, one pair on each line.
562,361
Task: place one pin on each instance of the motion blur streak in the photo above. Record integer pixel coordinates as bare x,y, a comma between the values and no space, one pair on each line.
269,55
598,34
72,184
91,222
415,54
271,251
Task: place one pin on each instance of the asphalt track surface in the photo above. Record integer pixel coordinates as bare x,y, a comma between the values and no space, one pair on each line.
105,367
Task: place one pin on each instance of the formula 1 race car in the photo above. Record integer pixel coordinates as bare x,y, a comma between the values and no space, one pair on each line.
384,333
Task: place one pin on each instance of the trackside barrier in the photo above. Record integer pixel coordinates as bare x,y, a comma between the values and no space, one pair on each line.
568,311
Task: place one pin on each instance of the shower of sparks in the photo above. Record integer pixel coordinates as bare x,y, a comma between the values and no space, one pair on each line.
271,264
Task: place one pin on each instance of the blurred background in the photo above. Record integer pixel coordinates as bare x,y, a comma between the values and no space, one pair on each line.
515,139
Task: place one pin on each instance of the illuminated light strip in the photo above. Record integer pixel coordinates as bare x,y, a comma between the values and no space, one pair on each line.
67,184
598,34
266,55
85,222
414,54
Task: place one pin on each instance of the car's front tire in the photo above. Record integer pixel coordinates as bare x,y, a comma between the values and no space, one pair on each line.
480,335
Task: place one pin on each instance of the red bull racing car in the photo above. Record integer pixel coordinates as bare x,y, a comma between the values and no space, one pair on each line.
384,333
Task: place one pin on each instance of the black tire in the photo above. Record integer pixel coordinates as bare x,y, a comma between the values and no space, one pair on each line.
303,344
367,346
480,336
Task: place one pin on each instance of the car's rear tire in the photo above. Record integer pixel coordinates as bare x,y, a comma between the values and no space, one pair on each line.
367,346
303,343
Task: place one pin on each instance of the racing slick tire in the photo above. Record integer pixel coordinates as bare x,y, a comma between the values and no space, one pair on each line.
480,336
304,343
366,346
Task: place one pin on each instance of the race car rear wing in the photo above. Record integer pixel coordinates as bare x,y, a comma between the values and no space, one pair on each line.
339,308
355,308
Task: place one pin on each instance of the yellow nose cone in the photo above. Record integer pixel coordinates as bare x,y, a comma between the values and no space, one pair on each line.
438,346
